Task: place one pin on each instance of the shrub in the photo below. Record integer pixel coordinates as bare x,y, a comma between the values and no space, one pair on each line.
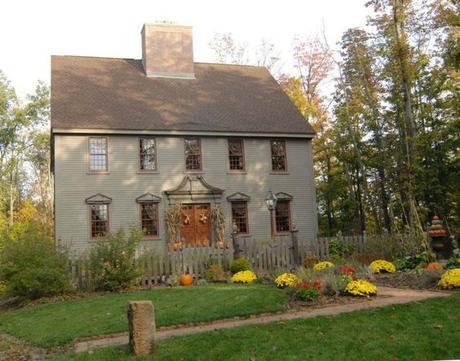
305,274
307,291
450,279
454,261
244,277
380,265
201,282
364,272
391,246
240,264
112,261
338,248
310,261
333,284
361,288
350,271
173,280
286,280
31,267
322,265
215,273
411,262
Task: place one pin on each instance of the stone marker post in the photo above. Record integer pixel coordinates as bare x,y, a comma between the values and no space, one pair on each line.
141,325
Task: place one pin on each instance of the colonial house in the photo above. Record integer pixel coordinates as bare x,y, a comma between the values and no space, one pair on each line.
183,150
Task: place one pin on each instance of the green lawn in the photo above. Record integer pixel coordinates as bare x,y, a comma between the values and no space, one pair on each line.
55,324
425,330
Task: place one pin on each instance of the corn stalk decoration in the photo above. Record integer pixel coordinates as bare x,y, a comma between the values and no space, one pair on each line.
172,220
218,220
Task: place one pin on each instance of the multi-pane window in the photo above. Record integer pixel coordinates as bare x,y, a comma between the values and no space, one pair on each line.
278,148
149,219
99,220
282,216
240,216
98,154
147,154
236,154
192,154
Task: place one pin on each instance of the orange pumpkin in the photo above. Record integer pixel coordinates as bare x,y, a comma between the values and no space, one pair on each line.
434,266
186,280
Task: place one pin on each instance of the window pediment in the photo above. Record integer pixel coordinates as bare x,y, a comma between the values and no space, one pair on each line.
148,198
284,196
238,197
98,199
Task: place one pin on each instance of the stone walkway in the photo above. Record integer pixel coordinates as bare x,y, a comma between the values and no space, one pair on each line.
387,296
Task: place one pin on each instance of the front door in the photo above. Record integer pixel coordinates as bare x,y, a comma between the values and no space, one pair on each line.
196,224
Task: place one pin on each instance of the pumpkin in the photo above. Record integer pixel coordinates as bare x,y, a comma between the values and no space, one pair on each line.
176,246
434,266
186,280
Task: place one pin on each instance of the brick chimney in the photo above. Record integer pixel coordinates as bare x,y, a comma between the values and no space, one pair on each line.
167,51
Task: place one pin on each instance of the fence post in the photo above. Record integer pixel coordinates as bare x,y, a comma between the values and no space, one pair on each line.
295,244
236,246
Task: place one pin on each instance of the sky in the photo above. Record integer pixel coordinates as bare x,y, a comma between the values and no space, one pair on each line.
31,31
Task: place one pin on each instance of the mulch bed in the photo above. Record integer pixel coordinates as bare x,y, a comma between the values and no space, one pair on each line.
409,280
324,301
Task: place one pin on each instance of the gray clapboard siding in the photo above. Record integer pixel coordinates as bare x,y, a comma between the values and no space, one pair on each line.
123,183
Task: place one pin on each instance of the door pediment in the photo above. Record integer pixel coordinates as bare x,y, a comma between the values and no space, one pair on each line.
194,186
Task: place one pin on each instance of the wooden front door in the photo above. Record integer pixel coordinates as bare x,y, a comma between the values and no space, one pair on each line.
196,224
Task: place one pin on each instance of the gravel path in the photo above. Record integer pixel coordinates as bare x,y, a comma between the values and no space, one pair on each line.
387,296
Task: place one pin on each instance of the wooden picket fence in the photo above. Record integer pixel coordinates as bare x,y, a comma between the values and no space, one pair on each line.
358,244
266,257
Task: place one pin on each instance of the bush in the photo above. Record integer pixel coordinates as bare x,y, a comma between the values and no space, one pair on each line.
380,265
322,265
215,273
411,262
112,261
31,267
244,277
391,246
307,291
338,248
361,288
454,261
173,280
286,280
240,264
333,284
450,279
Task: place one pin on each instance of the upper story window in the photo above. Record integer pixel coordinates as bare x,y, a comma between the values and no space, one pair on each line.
149,218
147,154
278,149
283,216
99,220
192,154
98,155
236,154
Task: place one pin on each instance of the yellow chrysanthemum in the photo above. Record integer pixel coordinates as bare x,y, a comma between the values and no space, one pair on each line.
361,288
381,265
244,277
286,280
322,265
450,279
